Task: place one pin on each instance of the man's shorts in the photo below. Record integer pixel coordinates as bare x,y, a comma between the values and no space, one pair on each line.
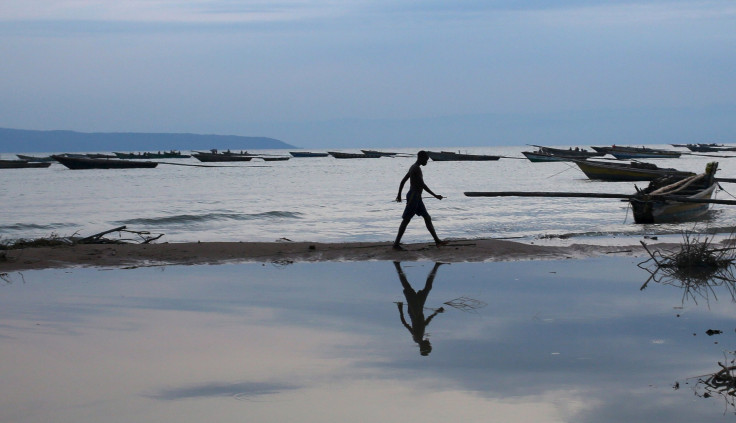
414,206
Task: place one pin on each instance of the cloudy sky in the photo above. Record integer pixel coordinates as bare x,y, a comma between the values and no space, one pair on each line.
353,73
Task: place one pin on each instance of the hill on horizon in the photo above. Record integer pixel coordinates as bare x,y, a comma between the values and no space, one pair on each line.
31,141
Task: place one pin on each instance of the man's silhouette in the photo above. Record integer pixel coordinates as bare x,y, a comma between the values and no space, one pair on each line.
414,203
415,308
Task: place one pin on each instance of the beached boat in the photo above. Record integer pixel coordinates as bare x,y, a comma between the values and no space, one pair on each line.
226,156
618,172
449,156
628,153
172,154
35,158
77,163
341,155
307,154
658,203
20,164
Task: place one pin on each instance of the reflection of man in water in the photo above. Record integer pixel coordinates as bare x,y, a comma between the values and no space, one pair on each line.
415,307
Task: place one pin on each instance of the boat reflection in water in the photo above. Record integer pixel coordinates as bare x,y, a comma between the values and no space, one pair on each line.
415,308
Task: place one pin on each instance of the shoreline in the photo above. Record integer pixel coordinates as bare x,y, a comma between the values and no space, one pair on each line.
216,253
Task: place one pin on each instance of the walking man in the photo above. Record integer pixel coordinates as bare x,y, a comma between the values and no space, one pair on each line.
414,203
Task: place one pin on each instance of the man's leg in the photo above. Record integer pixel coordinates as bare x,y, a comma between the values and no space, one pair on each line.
430,227
402,228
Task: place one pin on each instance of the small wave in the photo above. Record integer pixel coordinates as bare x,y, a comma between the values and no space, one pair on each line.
31,226
208,217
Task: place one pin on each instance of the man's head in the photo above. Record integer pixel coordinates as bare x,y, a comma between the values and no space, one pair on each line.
422,157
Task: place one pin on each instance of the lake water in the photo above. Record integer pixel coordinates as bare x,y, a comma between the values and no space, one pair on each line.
545,341
329,200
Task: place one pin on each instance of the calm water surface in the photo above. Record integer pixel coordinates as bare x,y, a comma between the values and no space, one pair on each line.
328,200
547,341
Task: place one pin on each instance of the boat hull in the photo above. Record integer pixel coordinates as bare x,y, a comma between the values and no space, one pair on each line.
666,211
623,173
340,155
221,157
307,154
542,158
21,164
78,163
448,156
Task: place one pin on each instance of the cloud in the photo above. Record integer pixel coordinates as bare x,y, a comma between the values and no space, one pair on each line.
240,390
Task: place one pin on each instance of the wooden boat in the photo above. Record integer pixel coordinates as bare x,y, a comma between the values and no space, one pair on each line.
619,172
35,158
90,163
307,154
171,154
449,156
550,154
628,153
667,199
226,156
100,156
648,208
19,164
380,153
341,155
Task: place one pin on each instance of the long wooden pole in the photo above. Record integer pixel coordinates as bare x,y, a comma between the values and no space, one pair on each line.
596,195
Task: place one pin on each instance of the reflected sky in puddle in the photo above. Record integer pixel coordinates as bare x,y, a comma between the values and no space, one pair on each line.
548,341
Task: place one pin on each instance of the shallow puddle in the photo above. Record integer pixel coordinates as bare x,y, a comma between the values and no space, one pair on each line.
543,341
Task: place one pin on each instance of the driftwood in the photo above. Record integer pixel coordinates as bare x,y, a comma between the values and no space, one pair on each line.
54,240
98,238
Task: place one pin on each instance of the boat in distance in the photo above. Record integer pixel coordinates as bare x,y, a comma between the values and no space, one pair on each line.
78,163
35,158
549,154
307,154
449,156
172,154
622,172
361,155
226,156
21,164
627,153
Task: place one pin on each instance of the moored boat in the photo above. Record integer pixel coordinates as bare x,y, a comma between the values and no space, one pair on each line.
226,156
307,154
618,172
20,164
449,156
380,153
341,155
172,154
548,154
78,163
627,153
35,158
658,203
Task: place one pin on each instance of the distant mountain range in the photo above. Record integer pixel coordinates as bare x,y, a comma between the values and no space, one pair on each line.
28,141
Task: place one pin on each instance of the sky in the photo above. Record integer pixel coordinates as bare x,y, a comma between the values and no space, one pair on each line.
359,73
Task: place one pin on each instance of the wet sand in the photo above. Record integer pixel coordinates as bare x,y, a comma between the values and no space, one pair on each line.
137,255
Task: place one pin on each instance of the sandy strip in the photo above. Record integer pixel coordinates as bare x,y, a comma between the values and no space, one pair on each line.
137,255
